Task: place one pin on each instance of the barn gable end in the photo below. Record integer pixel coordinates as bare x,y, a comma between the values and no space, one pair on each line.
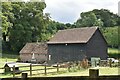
97,46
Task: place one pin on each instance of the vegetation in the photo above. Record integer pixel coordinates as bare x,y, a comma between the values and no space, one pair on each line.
21,23
64,72
113,51
111,36
25,22
102,18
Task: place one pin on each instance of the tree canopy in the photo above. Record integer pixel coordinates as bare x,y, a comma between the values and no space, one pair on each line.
102,18
23,22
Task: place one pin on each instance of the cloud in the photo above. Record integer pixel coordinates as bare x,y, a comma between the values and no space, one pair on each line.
68,11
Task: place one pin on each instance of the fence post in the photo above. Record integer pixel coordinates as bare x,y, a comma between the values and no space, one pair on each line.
99,63
93,74
45,69
95,63
110,63
24,76
13,71
57,67
69,66
30,69
79,64
119,62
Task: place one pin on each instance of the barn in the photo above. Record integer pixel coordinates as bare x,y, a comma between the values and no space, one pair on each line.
36,50
76,44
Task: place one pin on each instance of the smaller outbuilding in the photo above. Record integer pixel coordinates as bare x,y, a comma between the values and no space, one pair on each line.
36,52
9,67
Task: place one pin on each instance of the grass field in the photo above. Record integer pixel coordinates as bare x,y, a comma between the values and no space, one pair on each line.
81,72
63,71
113,51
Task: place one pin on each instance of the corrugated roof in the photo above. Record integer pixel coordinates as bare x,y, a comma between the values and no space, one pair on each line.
76,35
11,64
39,48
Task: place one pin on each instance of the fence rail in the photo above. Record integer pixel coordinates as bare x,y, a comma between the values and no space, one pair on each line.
30,69
93,75
45,68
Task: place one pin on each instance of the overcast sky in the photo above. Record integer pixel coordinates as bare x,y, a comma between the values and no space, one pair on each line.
68,11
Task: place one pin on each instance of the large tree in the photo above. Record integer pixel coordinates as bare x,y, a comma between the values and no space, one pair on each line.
88,19
109,19
111,35
102,17
27,25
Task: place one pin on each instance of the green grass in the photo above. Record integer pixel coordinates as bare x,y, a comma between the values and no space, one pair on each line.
7,58
82,72
113,51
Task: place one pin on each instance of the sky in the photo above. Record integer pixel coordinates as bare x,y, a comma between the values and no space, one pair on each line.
68,11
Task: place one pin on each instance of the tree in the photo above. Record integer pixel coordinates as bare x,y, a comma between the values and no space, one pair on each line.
109,19
102,18
111,35
28,23
7,18
88,19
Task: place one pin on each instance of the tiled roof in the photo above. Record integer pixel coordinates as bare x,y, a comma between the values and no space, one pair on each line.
39,48
76,35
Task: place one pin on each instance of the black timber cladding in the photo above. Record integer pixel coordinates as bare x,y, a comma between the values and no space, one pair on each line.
63,48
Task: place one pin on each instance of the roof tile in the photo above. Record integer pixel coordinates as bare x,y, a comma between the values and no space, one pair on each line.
76,35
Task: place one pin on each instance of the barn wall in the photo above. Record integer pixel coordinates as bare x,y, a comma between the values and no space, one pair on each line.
96,46
27,57
64,53
41,57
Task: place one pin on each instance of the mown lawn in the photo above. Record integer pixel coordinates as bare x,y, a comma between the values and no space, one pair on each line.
7,58
113,51
81,72
85,72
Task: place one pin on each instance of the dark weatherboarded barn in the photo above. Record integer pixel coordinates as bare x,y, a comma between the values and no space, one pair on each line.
75,44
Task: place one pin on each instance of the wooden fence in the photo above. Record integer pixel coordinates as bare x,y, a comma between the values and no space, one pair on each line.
30,70
45,68
93,75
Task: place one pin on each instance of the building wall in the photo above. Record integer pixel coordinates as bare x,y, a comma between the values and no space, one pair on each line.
41,57
25,57
66,52
96,46
28,57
